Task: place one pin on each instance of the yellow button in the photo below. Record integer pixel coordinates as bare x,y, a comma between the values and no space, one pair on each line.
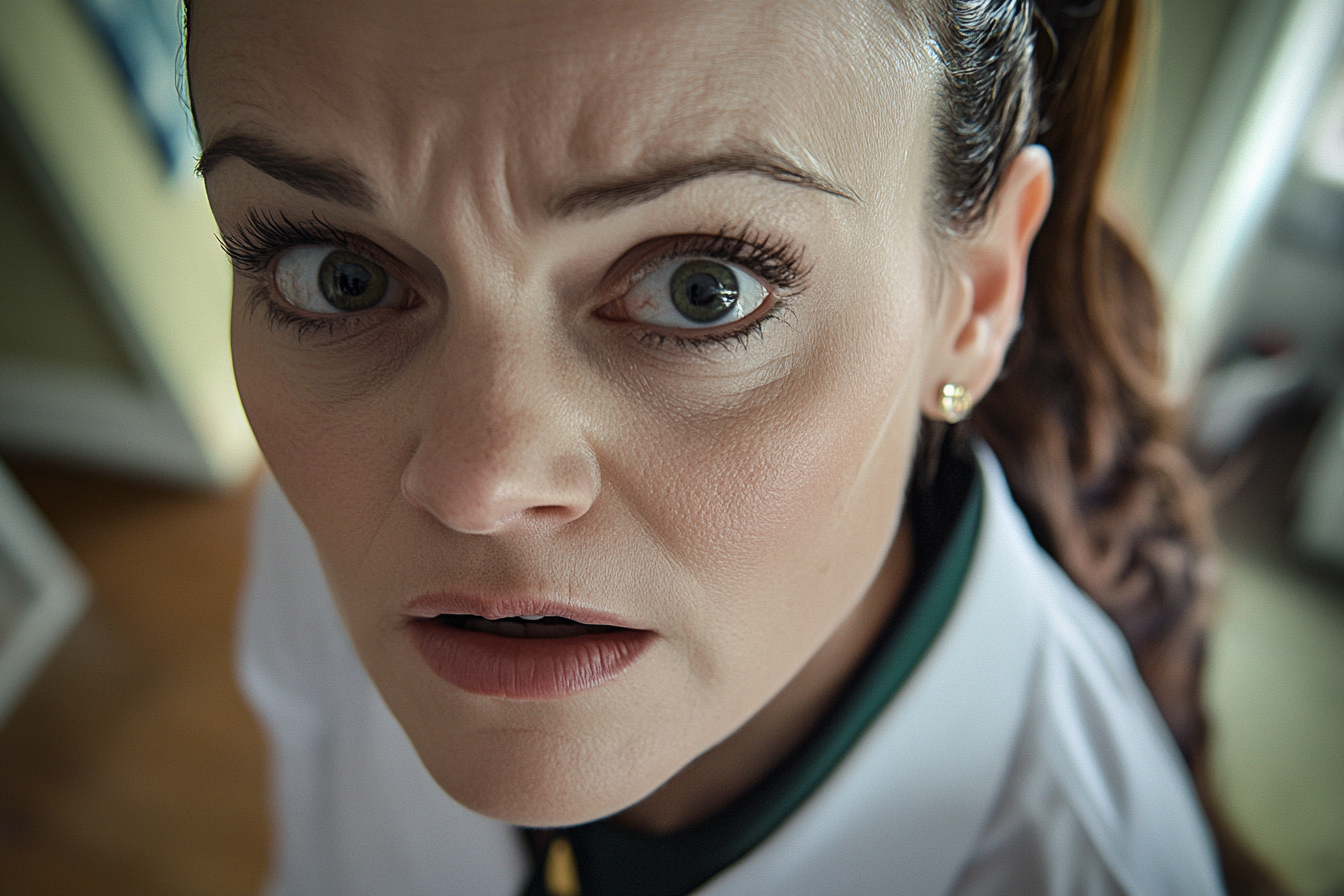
562,872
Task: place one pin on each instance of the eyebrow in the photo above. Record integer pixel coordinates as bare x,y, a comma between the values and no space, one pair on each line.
338,181
627,191
330,179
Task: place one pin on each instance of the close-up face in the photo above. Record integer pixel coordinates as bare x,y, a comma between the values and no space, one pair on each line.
590,342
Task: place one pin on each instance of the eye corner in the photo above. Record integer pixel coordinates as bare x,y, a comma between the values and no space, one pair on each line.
613,310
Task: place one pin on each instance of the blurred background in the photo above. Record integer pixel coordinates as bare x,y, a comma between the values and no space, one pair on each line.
128,761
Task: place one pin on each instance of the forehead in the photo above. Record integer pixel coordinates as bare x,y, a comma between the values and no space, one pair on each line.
531,90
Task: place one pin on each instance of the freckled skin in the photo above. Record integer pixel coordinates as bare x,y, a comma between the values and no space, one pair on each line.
501,436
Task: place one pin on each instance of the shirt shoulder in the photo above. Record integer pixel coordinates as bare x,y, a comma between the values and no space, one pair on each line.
291,647
1096,798
1023,755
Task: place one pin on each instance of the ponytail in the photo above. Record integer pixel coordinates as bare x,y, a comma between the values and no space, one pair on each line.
1088,439
1079,418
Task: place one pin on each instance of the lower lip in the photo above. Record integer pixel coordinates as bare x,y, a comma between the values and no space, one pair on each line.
526,668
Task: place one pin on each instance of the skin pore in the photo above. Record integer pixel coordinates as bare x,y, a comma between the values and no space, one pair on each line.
512,425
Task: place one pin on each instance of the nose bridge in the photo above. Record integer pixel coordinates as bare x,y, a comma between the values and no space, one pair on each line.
493,394
499,436
500,439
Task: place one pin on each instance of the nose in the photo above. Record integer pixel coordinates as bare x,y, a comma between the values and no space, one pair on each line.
501,446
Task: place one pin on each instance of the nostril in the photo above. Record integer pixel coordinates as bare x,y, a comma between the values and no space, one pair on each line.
558,513
473,505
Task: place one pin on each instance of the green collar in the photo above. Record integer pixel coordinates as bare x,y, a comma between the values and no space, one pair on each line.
602,858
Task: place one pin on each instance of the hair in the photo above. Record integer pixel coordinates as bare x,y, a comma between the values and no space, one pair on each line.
1080,418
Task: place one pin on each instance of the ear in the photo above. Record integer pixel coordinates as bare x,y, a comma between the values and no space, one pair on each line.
987,273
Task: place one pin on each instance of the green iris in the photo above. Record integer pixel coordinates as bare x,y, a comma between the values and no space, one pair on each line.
704,291
351,282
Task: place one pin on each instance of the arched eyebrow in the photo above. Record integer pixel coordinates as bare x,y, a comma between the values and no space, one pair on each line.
330,179
338,181
608,196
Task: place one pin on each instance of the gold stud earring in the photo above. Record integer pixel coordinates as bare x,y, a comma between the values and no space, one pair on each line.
955,402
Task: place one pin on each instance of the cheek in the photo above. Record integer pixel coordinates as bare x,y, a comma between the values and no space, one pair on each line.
775,476
781,509
335,459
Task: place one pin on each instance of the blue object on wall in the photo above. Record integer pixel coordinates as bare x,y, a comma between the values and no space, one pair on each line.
145,39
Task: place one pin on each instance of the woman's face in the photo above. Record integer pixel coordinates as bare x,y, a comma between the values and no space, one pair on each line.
619,313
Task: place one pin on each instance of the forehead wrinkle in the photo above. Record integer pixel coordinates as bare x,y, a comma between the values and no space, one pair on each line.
856,56
611,159
557,112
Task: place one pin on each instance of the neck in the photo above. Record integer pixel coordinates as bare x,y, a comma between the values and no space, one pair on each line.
718,777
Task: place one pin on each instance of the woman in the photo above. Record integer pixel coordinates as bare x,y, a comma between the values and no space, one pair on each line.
607,353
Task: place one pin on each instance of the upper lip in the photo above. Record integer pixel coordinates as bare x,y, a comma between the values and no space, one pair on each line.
427,606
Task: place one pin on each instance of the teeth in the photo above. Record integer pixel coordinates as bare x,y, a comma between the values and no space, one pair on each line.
532,618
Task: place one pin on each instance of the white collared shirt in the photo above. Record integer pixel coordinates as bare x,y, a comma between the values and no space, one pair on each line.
1023,755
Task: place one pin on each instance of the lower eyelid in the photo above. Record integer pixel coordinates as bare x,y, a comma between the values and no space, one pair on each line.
281,315
737,338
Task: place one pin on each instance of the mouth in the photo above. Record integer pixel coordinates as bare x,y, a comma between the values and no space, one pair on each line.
527,656
523,626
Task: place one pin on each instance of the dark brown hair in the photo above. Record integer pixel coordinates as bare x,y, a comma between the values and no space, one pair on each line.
1080,419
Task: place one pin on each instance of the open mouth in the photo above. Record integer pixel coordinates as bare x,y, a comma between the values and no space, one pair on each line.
523,626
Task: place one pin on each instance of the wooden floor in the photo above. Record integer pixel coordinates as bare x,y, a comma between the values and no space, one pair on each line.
133,765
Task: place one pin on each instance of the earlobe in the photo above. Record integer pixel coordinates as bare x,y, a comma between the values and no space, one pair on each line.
984,300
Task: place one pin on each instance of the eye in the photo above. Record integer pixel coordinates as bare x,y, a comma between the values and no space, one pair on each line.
329,280
694,293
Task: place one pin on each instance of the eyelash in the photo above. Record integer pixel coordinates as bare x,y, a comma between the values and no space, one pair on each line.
253,245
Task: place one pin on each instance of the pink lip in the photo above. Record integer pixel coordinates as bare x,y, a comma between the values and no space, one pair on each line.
521,668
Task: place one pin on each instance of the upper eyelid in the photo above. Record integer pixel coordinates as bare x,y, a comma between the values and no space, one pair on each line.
310,232
779,252
249,244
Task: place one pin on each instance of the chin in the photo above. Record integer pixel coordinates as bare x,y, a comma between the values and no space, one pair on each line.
537,770
531,794
538,763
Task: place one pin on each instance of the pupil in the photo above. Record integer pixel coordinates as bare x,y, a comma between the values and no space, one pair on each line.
704,291
352,279
351,282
